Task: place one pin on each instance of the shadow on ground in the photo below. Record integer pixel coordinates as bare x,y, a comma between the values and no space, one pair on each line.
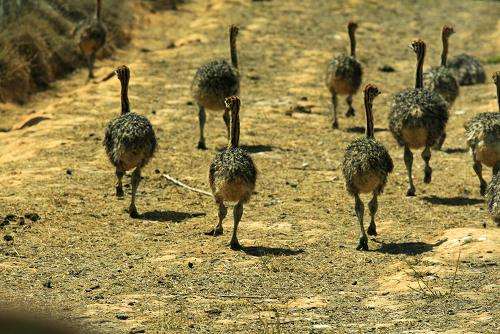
361,129
452,150
406,248
278,251
170,216
452,201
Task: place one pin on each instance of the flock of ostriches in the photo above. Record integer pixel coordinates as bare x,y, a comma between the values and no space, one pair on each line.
417,120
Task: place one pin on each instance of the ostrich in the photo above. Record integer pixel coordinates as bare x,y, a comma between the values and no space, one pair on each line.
215,81
91,37
418,119
343,76
483,138
232,174
467,69
366,166
130,142
440,80
493,198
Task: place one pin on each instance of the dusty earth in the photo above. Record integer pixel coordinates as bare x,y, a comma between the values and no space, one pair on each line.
433,267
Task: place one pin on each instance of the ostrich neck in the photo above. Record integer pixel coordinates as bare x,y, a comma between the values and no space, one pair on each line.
498,92
352,38
369,119
419,80
98,10
444,53
234,52
125,102
234,134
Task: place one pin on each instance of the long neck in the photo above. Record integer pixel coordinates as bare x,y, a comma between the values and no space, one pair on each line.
234,134
125,102
369,119
419,80
98,10
444,53
352,38
234,52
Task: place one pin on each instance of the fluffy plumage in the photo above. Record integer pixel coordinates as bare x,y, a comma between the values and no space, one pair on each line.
418,108
130,141
366,166
467,69
441,80
213,82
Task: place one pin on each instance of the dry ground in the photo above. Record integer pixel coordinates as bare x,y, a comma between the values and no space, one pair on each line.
299,271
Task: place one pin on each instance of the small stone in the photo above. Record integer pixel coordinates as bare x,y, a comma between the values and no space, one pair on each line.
137,330
214,311
190,265
69,171
122,316
8,237
32,216
92,288
157,171
354,283
48,284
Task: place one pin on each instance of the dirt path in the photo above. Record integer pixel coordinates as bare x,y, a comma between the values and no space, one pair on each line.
299,271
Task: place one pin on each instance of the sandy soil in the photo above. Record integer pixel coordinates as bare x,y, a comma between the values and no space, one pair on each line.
433,267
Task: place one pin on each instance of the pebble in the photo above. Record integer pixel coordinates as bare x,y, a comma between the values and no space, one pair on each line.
8,237
69,171
190,265
32,216
122,316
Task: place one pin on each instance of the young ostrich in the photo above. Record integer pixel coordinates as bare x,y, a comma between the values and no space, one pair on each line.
343,76
467,69
91,37
232,174
493,198
130,142
366,167
440,80
483,138
215,81
418,119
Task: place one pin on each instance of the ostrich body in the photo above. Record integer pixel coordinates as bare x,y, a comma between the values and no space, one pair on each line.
130,142
232,174
91,37
493,198
418,119
483,138
366,166
215,81
343,76
467,69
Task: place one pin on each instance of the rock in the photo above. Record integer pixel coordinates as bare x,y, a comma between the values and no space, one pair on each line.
190,265
8,237
137,330
122,316
213,311
48,284
387,69
32,216
69,171
354,282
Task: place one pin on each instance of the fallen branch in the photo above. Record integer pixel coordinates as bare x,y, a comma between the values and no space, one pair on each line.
179,183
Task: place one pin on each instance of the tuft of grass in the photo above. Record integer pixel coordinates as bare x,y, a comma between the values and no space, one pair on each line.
493,59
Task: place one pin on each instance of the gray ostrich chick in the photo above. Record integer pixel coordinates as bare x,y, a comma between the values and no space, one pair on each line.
215,81
366,166
483,139
493,199
441,80
418,119
343,76
130,142
91,37
232,175
467,69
